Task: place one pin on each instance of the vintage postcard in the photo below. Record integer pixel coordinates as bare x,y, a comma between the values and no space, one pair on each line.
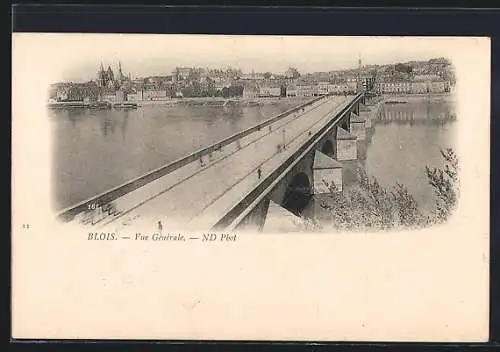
223,187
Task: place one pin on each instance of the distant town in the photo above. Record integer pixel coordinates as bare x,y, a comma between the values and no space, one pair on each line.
109,86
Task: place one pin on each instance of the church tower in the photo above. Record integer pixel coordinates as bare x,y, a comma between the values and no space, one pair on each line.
120,76
360,66
101,76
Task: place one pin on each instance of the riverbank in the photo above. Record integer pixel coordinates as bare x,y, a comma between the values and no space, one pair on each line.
218,102
93,105
409,98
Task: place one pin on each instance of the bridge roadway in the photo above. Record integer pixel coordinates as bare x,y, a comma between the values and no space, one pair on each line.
197,195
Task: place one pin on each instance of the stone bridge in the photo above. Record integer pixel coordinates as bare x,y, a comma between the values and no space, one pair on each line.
246,181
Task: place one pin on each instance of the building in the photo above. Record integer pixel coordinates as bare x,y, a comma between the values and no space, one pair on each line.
121,78
75,92
426,77
269,91
413,87
120,96
367,82
251,90
107,78
135,95
306,90
323,88
221,84
291,91
181,73
158,80
418,87
138,82
270,88
352,84
252,76
62,94
338,88
438,86
394,87
154,94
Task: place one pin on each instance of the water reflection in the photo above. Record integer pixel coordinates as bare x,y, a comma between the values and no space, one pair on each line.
107,125
124,124
74,115
417,112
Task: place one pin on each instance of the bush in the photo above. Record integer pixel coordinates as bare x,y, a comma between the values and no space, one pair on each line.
370,206
446,186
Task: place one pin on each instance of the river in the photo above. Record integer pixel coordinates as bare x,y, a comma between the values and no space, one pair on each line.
404,139
95,150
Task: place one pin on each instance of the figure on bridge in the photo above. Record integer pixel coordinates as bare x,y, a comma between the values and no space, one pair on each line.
259,173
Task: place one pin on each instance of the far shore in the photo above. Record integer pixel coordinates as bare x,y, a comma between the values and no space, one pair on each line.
448,97
217,101
240,101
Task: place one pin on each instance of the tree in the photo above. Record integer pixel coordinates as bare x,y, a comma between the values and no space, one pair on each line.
370,206
235,90
196,89
267,75
282,90
403,68
187,92
446,185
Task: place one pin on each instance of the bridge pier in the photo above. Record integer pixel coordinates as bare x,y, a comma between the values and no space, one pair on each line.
326,172
366,115
346,145
279,219
358,126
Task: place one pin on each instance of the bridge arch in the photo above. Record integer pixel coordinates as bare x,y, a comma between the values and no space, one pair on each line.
328,148
345,124
298,193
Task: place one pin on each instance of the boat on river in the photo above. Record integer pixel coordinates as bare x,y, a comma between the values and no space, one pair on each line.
396,102
125,106
100,105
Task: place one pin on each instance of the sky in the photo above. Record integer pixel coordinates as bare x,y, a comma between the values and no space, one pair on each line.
76,57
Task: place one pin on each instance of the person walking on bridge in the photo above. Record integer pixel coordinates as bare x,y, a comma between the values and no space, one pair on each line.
259,173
